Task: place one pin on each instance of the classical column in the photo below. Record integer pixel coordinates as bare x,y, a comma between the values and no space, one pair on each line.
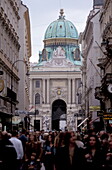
31,91
73,91
69,90
48,90
43,91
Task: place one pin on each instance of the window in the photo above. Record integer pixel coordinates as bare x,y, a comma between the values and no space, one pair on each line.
37,98
77,54
79,98
78,91
37,84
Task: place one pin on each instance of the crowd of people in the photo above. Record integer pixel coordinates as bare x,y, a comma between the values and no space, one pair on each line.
56,150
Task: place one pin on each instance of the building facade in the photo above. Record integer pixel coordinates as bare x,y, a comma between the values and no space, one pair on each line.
91,75
10,47
104,91
56,78
24,54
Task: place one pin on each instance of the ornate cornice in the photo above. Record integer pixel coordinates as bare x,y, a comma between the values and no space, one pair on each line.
15,8
9,29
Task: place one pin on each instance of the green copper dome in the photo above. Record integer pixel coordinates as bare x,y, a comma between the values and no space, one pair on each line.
61,28
64,34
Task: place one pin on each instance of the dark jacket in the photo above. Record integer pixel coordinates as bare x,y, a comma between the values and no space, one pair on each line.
8,155
48,159
96,161
7,151
62,159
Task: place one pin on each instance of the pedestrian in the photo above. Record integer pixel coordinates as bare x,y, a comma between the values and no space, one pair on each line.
94,156
31,163
8,154
33,147
79,141
41,137
69,156
23,138
18,147
108,161
104,142
49,153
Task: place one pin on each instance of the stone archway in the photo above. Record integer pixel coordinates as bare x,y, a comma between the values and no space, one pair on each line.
58,114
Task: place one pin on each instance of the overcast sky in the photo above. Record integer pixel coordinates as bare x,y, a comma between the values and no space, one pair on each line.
43,12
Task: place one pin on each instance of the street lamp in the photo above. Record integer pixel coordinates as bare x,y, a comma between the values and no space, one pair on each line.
12,86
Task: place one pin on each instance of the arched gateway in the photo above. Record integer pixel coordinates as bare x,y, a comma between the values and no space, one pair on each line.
58,114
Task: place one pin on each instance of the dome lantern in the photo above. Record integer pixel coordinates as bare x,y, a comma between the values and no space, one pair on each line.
61,14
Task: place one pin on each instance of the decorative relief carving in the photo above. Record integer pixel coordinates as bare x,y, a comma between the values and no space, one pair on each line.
53,93
59,59
59,52
58,92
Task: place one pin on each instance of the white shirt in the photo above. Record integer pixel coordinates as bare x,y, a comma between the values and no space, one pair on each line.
79,143
18,147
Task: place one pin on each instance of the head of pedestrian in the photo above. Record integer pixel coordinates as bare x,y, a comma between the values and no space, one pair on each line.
4,135
70,138
14,133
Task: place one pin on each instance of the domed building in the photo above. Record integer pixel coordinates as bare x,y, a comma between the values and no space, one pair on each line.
61,33
55,80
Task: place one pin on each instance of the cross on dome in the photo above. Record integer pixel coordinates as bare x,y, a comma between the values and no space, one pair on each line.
61,12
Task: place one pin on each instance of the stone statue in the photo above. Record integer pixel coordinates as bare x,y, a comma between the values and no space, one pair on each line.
59,52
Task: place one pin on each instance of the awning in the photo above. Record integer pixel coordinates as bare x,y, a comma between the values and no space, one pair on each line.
94,120
82,122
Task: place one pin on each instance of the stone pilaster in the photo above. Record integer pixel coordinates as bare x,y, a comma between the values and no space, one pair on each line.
48,91
69,91
43,97
73,91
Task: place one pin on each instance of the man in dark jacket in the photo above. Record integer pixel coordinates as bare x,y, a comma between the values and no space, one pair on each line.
8,153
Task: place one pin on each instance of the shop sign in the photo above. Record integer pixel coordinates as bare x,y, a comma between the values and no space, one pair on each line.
16,119
107,116
94,108
100,113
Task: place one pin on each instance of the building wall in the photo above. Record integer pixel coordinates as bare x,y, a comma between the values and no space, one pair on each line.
25,54
96,65
91,76
10,46
53,86
105,62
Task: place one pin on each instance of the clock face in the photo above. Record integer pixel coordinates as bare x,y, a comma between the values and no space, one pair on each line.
110,88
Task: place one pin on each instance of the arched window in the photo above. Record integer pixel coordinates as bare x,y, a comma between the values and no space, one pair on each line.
77,54
37,98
